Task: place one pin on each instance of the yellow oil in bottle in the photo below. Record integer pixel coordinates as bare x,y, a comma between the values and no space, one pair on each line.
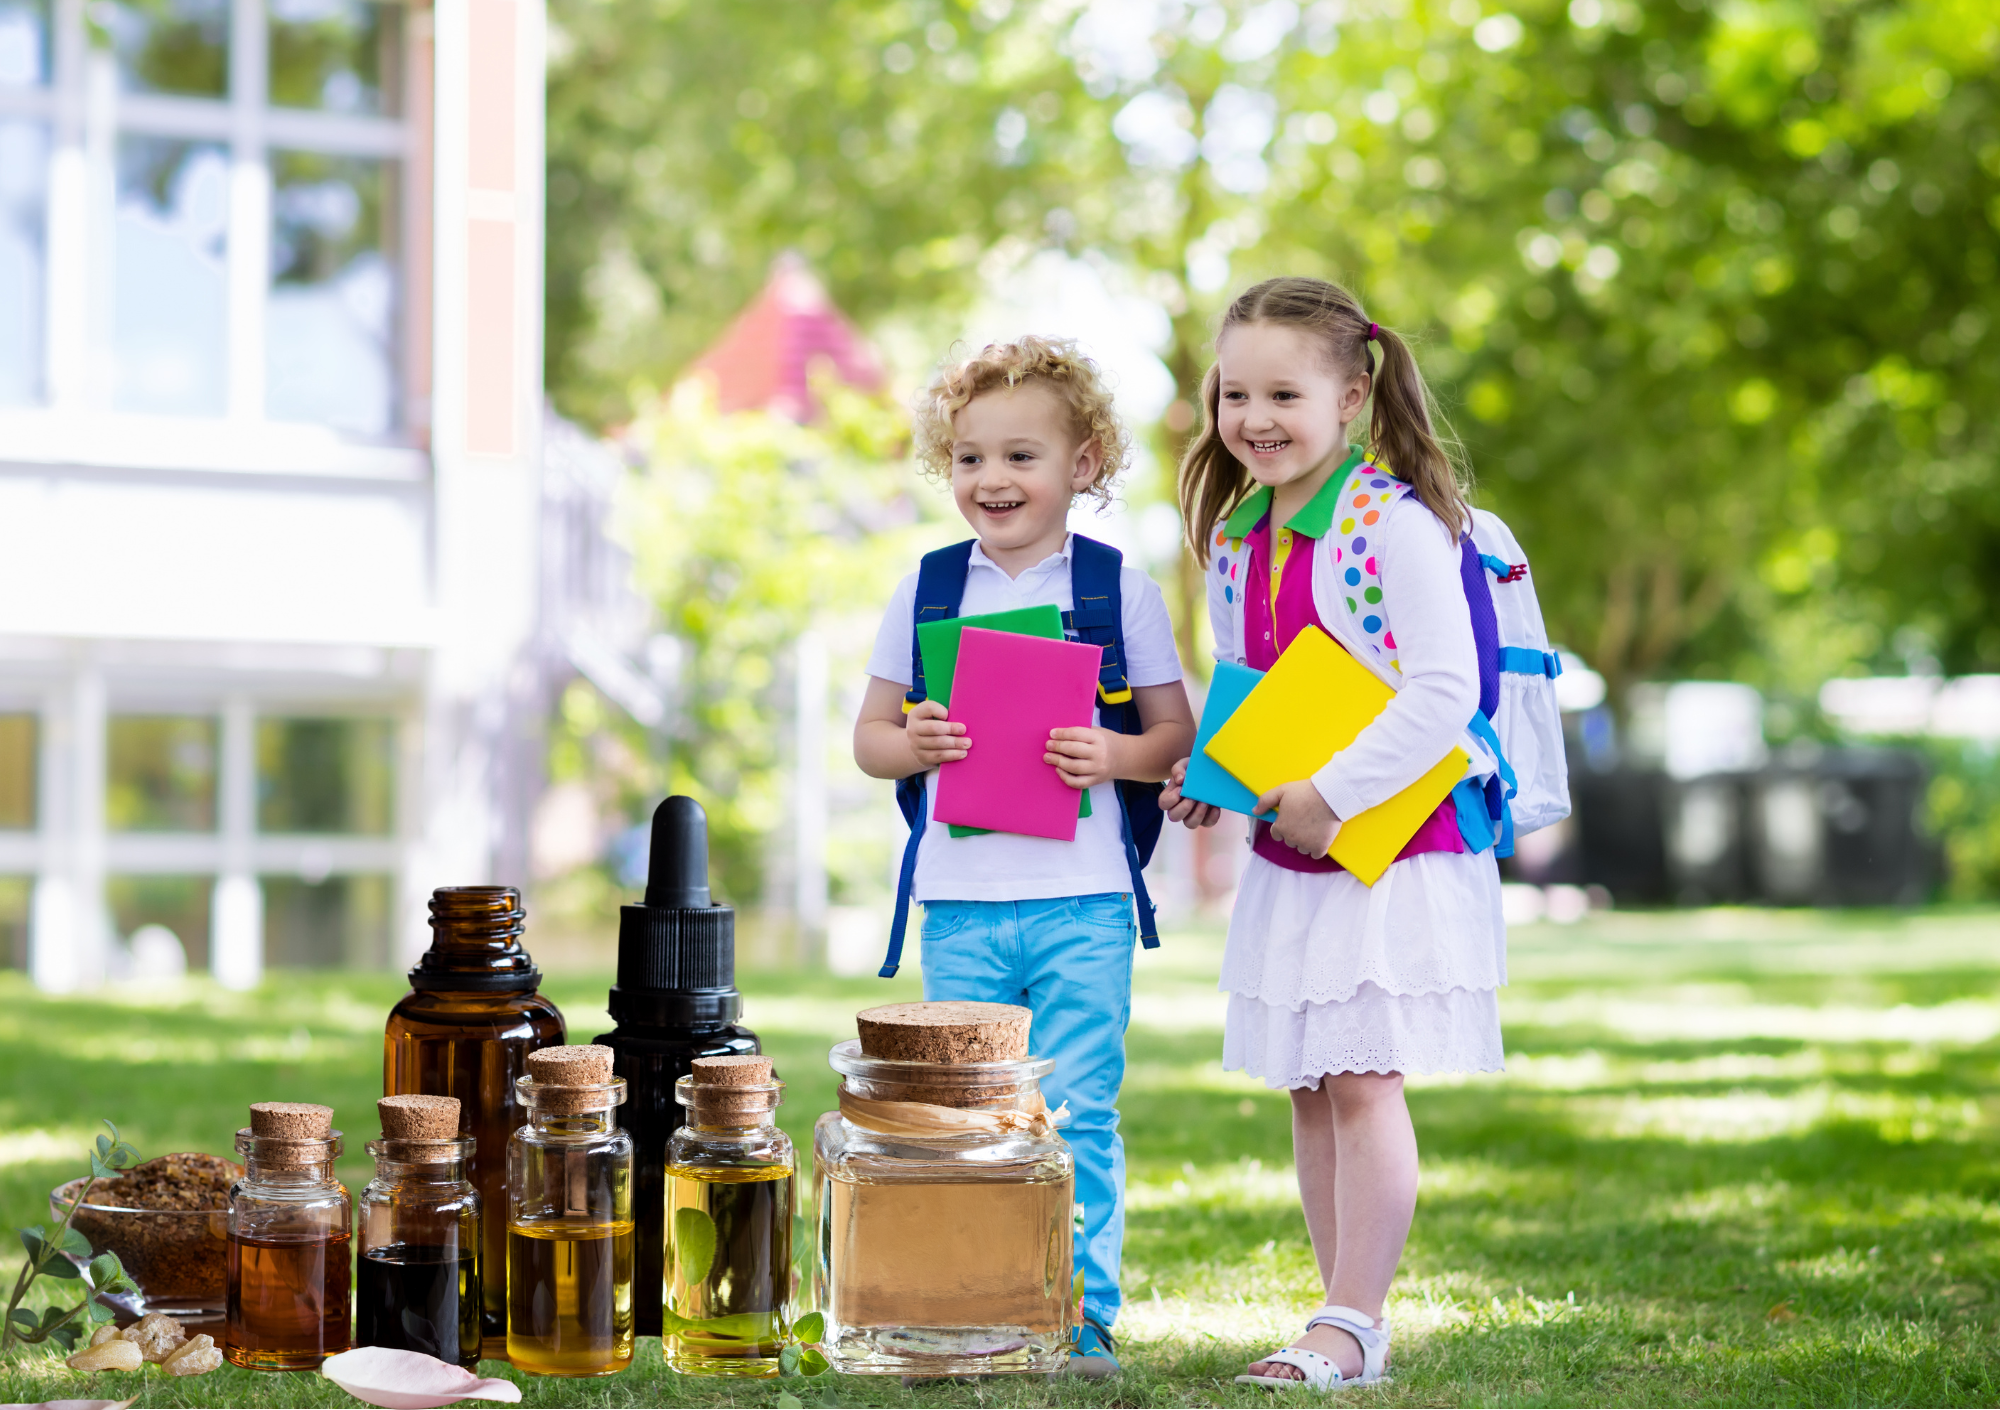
729,1268
569,1297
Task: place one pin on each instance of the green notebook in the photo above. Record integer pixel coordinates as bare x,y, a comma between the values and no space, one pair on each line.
938,641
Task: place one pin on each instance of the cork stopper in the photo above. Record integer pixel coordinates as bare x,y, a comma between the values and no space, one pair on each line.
289,1135
571,1078
415,1118
953,1031
740,1071
731,1091
291,1121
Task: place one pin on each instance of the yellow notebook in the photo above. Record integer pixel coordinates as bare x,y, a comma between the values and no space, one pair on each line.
1309,707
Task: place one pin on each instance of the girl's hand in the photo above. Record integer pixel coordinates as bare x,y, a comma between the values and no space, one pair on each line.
1305,823
1082,756
1186,810
934,739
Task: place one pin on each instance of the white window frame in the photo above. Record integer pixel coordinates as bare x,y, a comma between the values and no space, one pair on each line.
86,114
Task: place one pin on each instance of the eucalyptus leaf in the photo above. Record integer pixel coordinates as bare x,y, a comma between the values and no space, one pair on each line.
64,1337
788,1361
104,1269
35,1240
74,1243
22,1317
810,1328
811,1362
53,1317
104,1147
101,1170
694,1244
97,1312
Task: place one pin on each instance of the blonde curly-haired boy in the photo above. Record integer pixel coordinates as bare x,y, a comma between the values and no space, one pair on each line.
1018,431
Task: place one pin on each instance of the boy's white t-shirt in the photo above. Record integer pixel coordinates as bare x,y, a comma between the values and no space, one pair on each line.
1005,866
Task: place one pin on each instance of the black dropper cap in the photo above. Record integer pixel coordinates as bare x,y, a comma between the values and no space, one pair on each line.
678,941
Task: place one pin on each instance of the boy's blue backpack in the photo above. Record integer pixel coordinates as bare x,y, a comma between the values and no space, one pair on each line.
1097,618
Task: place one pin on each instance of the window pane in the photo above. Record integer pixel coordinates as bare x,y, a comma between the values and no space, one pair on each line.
341,55
180,903
15,894
326,776
330,325
170,318
24,44
17,771
169,46
341,922
24,185
161,773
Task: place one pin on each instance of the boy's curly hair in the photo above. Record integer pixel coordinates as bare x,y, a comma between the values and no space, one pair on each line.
1054,361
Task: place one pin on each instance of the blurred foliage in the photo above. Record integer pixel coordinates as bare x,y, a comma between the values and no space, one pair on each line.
1962,808
746,529
1708,286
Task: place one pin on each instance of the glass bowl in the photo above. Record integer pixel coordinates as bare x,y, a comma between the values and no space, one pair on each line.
179,1258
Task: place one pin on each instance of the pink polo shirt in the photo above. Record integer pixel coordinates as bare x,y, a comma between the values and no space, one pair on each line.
1265,638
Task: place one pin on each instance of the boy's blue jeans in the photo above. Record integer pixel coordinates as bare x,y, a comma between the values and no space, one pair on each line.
1069,960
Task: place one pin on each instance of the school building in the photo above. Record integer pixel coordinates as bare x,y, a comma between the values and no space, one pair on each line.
287,563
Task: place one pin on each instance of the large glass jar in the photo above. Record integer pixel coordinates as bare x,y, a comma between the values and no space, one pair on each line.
730,1198
569,1220
465,1030
417,1281
943,1202
290,1238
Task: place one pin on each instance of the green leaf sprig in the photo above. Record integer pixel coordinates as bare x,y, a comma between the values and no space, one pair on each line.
64,1254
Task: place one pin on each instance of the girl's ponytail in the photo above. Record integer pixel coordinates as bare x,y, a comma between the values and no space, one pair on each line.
1402,418
1402,434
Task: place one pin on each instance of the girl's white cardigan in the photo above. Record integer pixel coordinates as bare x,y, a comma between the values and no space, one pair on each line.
1433,664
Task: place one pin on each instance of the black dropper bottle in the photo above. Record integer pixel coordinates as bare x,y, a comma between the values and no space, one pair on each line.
675,1001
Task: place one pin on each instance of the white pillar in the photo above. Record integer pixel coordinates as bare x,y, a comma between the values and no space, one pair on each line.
69,929
809,788
236,913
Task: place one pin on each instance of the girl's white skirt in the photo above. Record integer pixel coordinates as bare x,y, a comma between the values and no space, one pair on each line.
1327,975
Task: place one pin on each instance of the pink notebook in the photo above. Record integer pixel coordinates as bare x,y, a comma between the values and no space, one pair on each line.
1009,692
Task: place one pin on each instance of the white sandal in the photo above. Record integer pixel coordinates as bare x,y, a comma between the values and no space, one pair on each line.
1319,1371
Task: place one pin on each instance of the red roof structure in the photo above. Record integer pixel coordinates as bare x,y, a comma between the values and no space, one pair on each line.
763,360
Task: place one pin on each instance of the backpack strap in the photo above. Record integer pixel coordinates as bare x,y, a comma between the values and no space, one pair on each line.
1526,661
1500,790
1099,619
940,588
1503,570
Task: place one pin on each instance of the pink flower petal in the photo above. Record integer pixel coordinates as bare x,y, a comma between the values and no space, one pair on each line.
410,1380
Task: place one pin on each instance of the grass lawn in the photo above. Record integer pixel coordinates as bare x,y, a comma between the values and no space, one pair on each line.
1738,1158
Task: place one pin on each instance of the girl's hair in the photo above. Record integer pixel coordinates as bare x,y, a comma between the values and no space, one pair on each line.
1053,362
1402,421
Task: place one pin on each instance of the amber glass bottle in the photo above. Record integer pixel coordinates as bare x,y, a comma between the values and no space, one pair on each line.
465,1030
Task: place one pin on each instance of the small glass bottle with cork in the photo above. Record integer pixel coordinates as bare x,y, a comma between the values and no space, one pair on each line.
943,1198
465,1029
569,1218
418,1278
290,1231
731,1190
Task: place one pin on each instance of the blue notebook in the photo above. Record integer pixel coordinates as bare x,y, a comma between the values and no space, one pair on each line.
1207,781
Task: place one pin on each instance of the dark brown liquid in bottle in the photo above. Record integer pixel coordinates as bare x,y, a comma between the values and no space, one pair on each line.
465,1030
287,1302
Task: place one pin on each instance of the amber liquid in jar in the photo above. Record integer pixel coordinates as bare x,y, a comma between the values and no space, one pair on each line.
287,1302
571,1289
465,1030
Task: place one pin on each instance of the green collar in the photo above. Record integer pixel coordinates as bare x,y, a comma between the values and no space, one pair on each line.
1313,519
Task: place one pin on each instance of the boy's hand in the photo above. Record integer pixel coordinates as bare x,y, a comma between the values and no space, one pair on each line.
1083,756
1305,824
934,739
1186,810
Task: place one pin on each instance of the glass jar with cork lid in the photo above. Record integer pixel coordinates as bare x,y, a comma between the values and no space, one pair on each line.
569,1218
943,1198
418,1277
730,1196
290,1230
